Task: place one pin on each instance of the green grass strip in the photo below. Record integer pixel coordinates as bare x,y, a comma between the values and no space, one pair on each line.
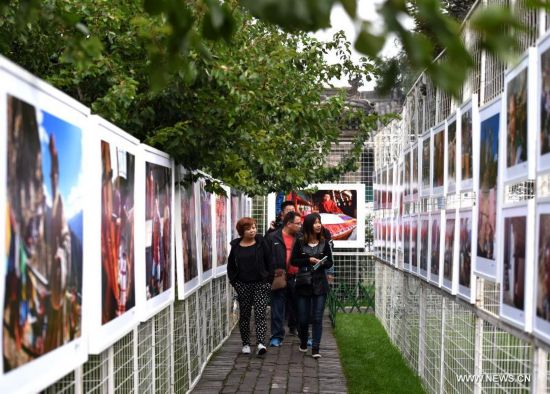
372,364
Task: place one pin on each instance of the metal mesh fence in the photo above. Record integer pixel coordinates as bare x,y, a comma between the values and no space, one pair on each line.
162,355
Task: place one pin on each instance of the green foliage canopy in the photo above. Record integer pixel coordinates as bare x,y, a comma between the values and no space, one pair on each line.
248,111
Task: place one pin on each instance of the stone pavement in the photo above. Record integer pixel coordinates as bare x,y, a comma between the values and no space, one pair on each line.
281,370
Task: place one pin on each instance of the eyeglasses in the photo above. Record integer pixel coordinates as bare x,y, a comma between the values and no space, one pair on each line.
298,224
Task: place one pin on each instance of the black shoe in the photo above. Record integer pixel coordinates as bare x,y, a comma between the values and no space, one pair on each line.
315,353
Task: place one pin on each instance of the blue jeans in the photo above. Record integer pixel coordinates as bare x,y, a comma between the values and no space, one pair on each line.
278,301
310,310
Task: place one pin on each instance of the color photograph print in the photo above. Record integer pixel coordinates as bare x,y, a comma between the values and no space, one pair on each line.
451,156
222,242
117,232
448,254
465,254
424,246
513,272
406,243
487,200
189,242
414,168
426,166
466,148
438,160
235,214
158,240
341,207
434,249
414,244
516,121
205,202
543,86
542,273
44,234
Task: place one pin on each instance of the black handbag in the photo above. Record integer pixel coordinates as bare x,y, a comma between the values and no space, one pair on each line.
304,278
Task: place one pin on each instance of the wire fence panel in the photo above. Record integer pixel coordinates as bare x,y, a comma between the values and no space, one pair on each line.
181,353
96,374
123,362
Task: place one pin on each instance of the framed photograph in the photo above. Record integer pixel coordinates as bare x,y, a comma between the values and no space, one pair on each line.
187,241
236,213
487,156
424,242
206,209
157,235
115,184
542,128
516,138
341,206
513,276
47,202
541,323
438,159
435,242
451,149
221,235
467,121
414,243
406,243
449,251
414,172
466,279
425,166
407,177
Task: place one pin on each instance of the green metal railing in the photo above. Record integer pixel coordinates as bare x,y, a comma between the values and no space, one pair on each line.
349,298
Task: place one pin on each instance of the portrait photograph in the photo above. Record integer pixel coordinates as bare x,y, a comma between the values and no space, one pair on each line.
424,245
516,119
414,243
205,201
467,169
451,155
439,159
235,213
406,243
158,238
117,231
465,251
44,234
542,273
189,241
487,200
426,164
434,250
414,169
543,81
513,275
222,242
449,250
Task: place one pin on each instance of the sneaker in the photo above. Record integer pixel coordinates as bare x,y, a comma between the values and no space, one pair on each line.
310,342
315,353
246,349
275,342
303,348
261,349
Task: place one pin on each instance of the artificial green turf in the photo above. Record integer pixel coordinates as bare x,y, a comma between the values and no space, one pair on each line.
372,364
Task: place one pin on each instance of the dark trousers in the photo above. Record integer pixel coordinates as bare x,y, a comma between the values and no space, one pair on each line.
291,312
310,311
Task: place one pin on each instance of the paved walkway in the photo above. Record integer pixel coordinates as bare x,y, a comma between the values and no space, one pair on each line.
282,370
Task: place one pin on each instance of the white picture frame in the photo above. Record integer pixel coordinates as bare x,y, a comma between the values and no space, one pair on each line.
465,253
52,365
152,158
437,159
221,261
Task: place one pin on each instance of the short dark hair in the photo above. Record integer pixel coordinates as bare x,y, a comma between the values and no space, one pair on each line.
286,204
290,216
245,224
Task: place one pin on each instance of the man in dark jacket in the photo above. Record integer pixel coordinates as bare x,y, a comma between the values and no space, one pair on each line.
277,224
282,241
